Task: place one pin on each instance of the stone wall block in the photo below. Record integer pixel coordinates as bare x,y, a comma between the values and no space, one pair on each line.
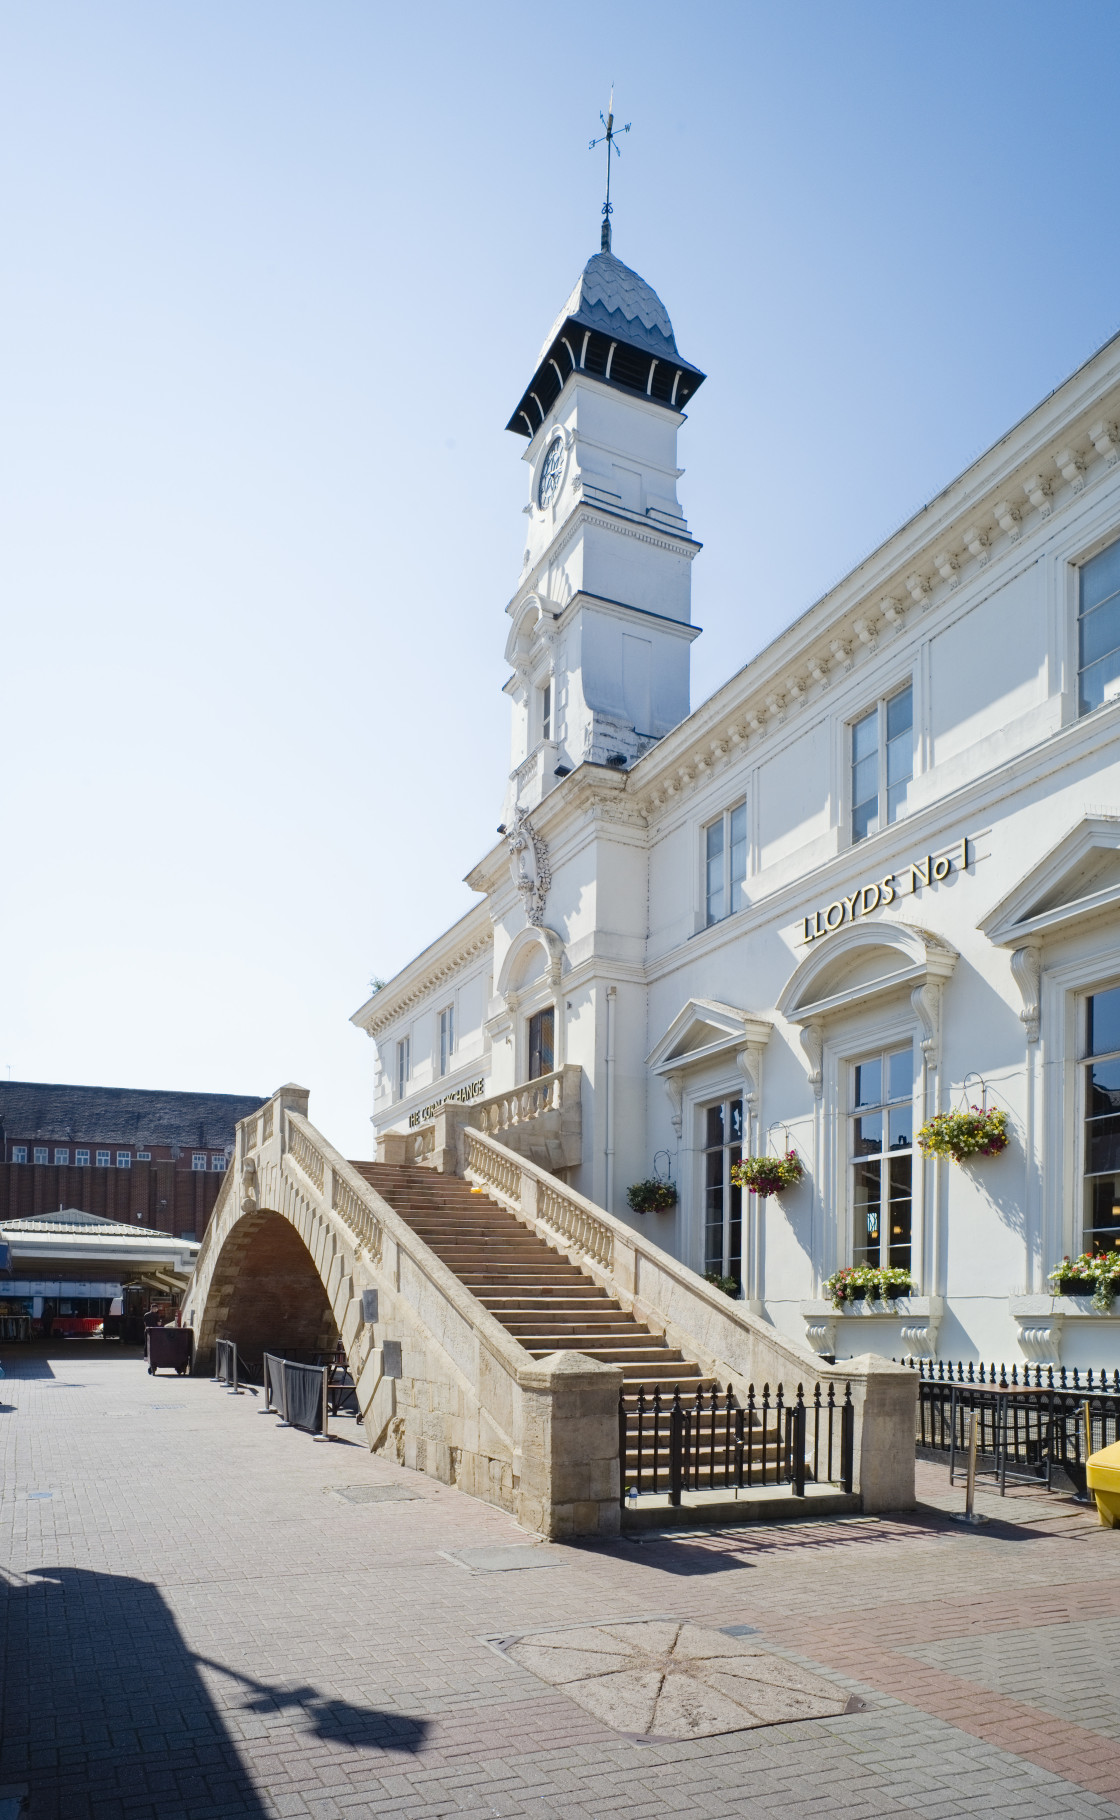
569,1446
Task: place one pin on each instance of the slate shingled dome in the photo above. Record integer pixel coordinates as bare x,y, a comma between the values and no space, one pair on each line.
608,295
615,328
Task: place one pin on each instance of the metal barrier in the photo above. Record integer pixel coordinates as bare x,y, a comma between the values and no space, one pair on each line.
712,1442
225,1365
15,1328
300,1391
1028,1432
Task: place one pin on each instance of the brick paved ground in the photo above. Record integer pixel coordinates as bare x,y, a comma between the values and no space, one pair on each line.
196,1624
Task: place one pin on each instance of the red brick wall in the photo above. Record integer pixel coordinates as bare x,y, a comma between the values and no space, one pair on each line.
164,1196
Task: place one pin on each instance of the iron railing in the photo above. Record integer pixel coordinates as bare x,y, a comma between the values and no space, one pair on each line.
711,1441
1035,1425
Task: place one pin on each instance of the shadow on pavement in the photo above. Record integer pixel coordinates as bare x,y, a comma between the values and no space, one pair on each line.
105,1710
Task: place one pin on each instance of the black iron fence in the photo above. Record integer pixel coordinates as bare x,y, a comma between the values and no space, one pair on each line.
1035,1425
710,1441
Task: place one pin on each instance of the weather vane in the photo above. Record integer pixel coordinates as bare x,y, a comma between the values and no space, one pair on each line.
608,139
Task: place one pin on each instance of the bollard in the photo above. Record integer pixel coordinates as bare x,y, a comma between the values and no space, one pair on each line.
969,1515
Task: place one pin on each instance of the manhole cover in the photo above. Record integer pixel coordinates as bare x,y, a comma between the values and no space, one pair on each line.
503,1560
660,1681
372,1494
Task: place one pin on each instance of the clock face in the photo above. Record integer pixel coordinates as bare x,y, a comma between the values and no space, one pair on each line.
551,471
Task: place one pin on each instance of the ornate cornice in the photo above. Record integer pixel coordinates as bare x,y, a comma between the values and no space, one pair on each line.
990,509
441,962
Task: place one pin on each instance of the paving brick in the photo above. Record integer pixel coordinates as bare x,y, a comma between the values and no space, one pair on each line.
195,1624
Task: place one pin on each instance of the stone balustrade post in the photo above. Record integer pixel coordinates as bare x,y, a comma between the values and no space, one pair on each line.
569,1447
886,1405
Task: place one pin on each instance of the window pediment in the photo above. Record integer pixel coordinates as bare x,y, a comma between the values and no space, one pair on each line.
860,962
703,1028
1080,876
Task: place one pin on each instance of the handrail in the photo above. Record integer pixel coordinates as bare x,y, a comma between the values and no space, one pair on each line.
593,1233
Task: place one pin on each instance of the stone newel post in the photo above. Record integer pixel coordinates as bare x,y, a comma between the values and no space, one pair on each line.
569,1447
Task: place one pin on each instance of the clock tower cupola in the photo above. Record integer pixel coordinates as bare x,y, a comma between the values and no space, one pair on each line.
601,621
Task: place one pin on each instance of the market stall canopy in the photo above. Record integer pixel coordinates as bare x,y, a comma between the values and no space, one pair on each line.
72,1236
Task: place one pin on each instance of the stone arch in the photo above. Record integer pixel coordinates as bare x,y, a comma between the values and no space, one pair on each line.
267,1292
524,953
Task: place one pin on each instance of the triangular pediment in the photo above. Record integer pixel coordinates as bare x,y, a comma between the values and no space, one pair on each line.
705,1027
1078,877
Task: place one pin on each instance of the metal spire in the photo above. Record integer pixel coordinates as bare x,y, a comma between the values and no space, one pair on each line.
608,139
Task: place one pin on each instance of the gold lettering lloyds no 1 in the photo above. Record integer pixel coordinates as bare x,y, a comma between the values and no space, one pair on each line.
932,869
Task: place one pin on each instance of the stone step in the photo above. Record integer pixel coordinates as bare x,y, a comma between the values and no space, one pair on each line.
547,1303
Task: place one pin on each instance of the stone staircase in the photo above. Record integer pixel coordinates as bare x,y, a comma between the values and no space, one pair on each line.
546,1302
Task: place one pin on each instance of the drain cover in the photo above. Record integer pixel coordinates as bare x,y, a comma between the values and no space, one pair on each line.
372,1494
503,1560
659,1681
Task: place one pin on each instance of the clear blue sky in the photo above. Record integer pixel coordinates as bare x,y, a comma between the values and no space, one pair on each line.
272,277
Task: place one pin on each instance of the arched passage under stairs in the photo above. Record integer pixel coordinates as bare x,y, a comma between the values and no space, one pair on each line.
266,1293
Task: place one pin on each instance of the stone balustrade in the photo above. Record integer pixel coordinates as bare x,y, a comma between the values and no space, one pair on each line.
728,1341
543,1120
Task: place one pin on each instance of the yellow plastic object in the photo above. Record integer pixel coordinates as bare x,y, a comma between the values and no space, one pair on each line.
1102,1473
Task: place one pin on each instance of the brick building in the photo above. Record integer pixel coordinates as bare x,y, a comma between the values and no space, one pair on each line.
125,1153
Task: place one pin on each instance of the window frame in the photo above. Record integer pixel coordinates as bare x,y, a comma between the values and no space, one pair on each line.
445,1029
62,1156
200,1162
19,1153
879,708
724,821
882,1053
81,1158
143,1156
40,1153
1077,567
1083,1176
104,1159
727,1100
124,1159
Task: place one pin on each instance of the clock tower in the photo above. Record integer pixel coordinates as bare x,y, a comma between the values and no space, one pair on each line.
601,621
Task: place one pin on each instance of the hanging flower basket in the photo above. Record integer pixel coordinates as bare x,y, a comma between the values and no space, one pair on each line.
867,1283
654,1196
763,1175
971,1132
1099,1273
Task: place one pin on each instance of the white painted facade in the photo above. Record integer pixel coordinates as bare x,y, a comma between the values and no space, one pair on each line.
602,902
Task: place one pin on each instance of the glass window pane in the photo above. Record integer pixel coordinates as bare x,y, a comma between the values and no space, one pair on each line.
896,799
900,1074
1101,577
713,1211
1100,631
738,820
865,779
869,1083
867,1135
736,1110
899,1213
1099,684
1102,1145
1102,1214
1102,1088
1104,1022
865,820
901,1134
714,1121
865,1237
900,713
900,759
865,736
713,884
735,1223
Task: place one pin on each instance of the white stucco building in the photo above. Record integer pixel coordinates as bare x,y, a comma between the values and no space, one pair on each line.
875,875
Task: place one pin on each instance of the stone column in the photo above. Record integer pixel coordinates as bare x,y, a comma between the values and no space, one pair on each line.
569,1447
